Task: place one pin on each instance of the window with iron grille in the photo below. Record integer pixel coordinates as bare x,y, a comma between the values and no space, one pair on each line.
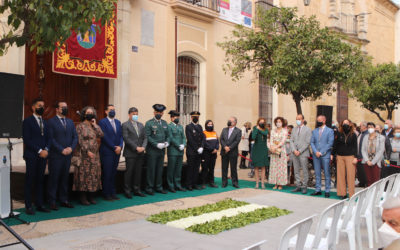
265,100
187,89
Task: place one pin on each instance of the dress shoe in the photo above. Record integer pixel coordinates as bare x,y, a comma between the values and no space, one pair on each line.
114,197
343,197
304,190
29,211
139,194
171,190
203,186
327,195
213,185
67,204
150,192
53,207
235,185
129,196
107,198
297,189
189,188
197,187
181,189
42,209
316,193
161,191
224,185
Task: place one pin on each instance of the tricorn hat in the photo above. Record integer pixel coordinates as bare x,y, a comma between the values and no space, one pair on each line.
195,113
174,113
159,107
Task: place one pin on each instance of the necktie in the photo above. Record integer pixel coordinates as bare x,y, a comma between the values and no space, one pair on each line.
63,123
41,126
298,131
229,133
113,125
136,128
320,133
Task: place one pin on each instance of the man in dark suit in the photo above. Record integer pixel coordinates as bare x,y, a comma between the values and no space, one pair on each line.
36,138
195,146
230,139
63,141
388,129
135,143
110,151
388,133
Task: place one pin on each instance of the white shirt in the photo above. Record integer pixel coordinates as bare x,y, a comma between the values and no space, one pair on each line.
37,119
230,132
112,121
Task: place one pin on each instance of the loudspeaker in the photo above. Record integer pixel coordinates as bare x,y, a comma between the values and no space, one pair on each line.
12,105
327,112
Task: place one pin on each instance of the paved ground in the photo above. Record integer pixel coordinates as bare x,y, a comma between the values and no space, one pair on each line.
128,229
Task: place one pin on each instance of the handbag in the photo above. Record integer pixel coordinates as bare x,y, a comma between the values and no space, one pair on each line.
76,159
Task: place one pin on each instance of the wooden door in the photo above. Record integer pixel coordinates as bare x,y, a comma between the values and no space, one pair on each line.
77,91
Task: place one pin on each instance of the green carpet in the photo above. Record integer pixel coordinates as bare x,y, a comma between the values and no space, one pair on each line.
104,206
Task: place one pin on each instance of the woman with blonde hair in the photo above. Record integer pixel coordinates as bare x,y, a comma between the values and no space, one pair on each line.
260,150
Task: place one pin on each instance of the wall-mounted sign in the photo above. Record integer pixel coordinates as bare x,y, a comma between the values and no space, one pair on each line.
237,11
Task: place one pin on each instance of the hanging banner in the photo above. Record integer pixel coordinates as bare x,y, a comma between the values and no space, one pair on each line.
237,11
90,54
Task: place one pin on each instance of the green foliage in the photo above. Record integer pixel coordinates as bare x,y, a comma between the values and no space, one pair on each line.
168,216
293,54
377,88
240,220
42,23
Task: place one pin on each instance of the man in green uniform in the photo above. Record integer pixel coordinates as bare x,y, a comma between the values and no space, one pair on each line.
175,152
157,137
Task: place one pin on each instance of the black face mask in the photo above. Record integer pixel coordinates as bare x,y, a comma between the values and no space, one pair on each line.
39,111
195,119
229,123
319,124
262,125
209,128
158,116
111,114
89,117
176,120
346,128
64,111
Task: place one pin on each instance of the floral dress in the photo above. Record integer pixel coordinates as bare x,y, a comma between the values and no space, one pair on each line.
87,175
278,162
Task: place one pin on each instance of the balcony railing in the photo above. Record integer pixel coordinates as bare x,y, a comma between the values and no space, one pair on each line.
264,5
209,4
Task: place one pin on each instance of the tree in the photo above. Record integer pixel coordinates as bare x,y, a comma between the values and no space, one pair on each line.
377,88
292,53
41,24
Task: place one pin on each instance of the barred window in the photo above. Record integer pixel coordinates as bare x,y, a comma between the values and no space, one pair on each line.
265,100
187,89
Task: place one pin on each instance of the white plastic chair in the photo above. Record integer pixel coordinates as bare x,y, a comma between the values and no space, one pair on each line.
367,212
384,191
256,246
300,229
317,241
396,186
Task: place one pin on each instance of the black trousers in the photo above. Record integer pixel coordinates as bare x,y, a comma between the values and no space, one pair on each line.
362,178
386,171
207,169
229,159
192,173
133,173
58,178
35,168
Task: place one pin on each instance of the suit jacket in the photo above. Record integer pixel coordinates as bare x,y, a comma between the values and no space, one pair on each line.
301,141
61,137
232,142
390,135
176,138
132,139
33,139
195,138
362,136
379,150
110,139
323,144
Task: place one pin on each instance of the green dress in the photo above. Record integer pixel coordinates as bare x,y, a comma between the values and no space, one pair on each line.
259,152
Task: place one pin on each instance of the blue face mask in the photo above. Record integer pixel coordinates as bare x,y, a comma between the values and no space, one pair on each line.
298,122
111,114
397,135
386,127
135,118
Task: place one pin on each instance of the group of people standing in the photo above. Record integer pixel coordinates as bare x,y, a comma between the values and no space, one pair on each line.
365,152
94,149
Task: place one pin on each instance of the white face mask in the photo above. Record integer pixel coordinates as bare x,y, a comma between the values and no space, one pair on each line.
298,122
279,125
371,130
388,234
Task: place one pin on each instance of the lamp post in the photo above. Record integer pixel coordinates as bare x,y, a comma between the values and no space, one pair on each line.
307,2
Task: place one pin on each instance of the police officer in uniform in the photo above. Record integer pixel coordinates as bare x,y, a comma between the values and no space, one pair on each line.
195,145
175,152
157,137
